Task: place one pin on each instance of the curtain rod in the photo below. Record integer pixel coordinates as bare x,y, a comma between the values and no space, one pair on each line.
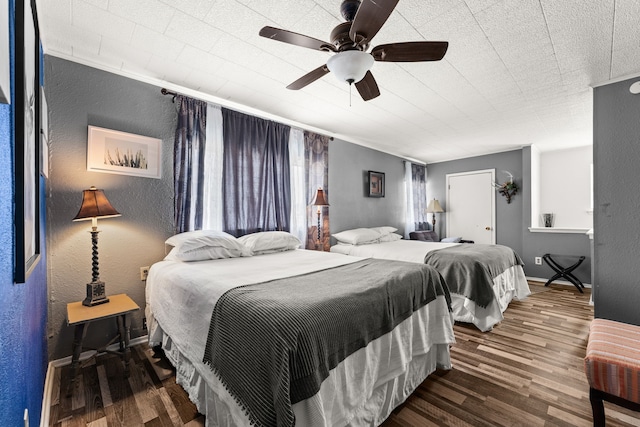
165,91
168,92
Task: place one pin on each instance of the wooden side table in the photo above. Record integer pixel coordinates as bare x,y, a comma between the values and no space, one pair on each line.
80,316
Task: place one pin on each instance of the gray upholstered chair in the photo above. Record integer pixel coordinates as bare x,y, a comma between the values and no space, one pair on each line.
432,236
424,235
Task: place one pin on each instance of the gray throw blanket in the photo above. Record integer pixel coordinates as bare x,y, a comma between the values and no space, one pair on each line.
469,269
272,344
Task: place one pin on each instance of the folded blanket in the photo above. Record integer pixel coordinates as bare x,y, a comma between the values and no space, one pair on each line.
469,269
272,344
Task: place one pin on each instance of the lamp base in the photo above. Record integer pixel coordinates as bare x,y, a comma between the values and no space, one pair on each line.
95,294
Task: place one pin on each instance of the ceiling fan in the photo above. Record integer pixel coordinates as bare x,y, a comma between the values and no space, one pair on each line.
349,42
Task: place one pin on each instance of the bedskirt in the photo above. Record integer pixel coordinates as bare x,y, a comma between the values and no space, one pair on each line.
511,284
361,391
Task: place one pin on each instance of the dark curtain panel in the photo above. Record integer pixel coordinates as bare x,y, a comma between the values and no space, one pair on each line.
418,186
316,153
188,163
255,182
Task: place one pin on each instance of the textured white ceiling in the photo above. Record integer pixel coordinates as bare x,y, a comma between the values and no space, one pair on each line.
517,72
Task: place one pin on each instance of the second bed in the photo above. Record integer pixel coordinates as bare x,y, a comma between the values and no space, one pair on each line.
482,279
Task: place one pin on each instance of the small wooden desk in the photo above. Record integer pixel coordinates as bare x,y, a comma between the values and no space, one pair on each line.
80,316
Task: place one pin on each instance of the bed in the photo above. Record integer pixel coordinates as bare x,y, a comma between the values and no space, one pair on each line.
482,279
359,388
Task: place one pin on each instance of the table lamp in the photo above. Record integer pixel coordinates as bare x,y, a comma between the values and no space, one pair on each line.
434,208
95,205
319,200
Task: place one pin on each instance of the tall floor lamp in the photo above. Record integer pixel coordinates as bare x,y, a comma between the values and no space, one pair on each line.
95,205
434,208
319,200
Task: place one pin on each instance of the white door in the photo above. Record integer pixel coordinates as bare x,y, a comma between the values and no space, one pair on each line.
471,204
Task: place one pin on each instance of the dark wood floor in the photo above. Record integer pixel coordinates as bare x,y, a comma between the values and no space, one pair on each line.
528,371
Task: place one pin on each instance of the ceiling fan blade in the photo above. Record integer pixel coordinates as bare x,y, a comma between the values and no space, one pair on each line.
367,87
370,17
309,78
410,51
295,39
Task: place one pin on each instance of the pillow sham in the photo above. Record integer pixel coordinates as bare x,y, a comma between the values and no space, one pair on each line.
358,236
384,230
202,254
451,240
391,237
266,242
205,244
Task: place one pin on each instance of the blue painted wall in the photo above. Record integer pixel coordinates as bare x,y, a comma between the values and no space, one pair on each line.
23,307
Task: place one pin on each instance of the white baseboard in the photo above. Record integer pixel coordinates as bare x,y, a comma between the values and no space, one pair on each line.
58,363
556,282
46,397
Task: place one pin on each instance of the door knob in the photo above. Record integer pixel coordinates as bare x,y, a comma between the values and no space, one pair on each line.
487,228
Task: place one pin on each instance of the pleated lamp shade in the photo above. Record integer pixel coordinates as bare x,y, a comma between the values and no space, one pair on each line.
95,205
434,207
320,199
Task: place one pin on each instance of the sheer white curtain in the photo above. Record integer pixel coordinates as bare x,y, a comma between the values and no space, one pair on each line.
408,209
298,221
212,196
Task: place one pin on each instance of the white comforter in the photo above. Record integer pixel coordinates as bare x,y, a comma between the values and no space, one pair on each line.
511,284
362,390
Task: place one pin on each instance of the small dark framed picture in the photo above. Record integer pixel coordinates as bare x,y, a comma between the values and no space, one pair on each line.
376,184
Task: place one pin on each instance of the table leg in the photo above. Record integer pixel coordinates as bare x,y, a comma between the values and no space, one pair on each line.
124,330
554,277
78,338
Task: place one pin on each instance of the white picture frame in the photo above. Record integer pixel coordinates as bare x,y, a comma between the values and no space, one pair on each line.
122,153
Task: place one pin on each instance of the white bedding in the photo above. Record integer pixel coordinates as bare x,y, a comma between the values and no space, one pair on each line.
511,284
362,390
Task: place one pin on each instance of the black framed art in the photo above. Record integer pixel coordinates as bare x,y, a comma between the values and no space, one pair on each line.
376,184
5,56
27,153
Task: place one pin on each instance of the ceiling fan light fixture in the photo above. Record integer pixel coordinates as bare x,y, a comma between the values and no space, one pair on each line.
350,66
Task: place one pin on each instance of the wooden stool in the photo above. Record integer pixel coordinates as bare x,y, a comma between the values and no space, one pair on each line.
612,366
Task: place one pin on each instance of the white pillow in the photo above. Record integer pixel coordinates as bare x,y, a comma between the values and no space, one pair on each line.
202,254
451,240
391,237
384,230
358,236
205,244
266,242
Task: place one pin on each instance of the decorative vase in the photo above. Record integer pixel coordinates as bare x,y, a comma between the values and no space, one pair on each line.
547,219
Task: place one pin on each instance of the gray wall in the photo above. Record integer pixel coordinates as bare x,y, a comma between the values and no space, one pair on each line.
513,219
538,244
79,96
348,186
616,155
508,215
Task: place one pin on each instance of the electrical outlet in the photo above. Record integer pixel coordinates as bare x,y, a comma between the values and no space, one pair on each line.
538,260
143,272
